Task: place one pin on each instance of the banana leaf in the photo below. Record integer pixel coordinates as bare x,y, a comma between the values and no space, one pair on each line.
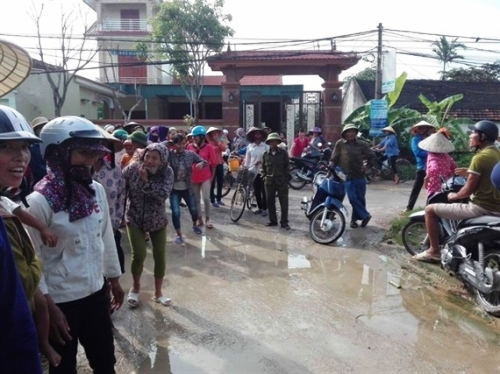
392,97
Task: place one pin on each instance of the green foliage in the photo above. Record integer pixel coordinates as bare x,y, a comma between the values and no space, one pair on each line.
368,74
185,34
446,51
483,73
401,119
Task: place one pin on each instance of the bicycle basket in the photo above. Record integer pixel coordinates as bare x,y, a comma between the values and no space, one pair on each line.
245,177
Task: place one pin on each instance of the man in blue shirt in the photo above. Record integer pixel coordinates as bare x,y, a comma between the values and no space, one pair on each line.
420,131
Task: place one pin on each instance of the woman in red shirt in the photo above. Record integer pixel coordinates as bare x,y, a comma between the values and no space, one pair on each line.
299,144
202,178
213,137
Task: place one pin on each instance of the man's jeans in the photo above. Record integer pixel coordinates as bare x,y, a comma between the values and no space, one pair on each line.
356,192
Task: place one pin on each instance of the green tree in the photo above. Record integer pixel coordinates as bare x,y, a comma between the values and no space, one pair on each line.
446,51
483,73
185,33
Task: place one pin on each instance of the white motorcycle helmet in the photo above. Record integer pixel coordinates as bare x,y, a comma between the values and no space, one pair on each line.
13,126
60,129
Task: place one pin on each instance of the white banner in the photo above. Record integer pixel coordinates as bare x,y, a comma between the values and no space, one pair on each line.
249,116
388,71
290,124
311,116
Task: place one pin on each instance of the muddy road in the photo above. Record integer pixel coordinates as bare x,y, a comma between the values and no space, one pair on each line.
252,299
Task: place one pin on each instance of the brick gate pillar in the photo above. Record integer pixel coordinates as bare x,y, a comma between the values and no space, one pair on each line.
231,104
332,110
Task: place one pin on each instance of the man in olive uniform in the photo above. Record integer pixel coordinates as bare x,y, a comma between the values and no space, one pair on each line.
349,154
276,174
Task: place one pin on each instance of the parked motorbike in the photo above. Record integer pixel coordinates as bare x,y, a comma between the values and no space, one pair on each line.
326,213
303,169
469,248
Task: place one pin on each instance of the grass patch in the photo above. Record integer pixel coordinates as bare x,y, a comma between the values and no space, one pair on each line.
396,225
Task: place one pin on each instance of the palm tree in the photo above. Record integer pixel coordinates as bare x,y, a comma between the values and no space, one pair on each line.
447,52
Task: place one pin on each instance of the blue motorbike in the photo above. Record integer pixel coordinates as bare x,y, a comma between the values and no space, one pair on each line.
326,213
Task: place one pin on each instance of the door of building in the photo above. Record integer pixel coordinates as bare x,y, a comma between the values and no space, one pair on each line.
129,19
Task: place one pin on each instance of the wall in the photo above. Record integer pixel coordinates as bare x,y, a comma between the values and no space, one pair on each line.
112,11
9,99
34,99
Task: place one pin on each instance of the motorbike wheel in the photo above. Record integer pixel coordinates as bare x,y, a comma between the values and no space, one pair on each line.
334,226
490,302
415,237
227,184
296,182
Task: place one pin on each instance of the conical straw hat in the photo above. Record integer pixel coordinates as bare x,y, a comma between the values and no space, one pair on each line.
15,66
437,143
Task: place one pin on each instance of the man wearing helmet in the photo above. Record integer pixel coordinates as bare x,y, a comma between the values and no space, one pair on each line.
75,207
485,197
349,154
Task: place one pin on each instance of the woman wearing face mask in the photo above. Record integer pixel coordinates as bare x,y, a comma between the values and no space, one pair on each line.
149,183
75,207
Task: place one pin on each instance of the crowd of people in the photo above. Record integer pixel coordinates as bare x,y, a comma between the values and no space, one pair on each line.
69,187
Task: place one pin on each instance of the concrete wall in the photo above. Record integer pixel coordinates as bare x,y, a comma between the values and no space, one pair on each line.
34,99
112,11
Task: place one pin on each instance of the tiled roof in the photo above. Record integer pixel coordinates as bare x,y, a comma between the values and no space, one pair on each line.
283,55
481,99
265,80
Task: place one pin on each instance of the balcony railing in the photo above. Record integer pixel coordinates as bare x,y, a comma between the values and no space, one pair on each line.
119,26
134,80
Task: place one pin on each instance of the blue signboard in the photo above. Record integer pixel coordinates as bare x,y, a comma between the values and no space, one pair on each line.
378,116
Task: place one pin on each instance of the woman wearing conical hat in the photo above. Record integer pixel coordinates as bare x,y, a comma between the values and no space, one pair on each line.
391,149
439,162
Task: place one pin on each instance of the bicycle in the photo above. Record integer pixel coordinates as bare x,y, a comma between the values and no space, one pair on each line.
244,196
404,168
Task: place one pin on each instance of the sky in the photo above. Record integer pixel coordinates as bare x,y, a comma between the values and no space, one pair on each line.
264,20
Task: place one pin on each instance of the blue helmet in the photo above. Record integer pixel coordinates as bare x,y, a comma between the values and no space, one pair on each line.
495,176
199,131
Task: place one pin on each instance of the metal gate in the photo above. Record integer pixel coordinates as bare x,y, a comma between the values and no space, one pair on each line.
301,110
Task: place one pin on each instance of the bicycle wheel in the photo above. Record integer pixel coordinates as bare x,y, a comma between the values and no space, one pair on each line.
251,200
405,170
227,184
238,203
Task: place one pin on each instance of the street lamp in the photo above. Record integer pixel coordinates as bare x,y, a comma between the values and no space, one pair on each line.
230,97
334,96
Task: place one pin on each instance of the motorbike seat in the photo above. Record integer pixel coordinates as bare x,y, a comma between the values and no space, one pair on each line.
310,161
481,221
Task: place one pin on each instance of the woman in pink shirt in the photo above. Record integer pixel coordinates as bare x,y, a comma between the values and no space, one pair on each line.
202,178
439,163
213,137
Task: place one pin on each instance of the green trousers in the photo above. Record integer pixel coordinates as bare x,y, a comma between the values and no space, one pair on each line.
282,190
137,241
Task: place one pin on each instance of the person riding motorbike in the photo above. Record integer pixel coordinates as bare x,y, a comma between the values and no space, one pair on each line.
486,198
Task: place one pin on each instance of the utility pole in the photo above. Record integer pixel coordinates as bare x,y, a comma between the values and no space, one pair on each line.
378,79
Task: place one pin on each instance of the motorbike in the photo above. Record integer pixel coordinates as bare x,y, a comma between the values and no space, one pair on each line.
303,169
403,166
326,212
469,248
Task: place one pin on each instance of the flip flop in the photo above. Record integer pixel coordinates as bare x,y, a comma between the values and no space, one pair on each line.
163,300
209,225
427,257
133,299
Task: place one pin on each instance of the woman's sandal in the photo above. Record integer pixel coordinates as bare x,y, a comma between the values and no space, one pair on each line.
354,225
425,256
209,224
163,300
133,299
